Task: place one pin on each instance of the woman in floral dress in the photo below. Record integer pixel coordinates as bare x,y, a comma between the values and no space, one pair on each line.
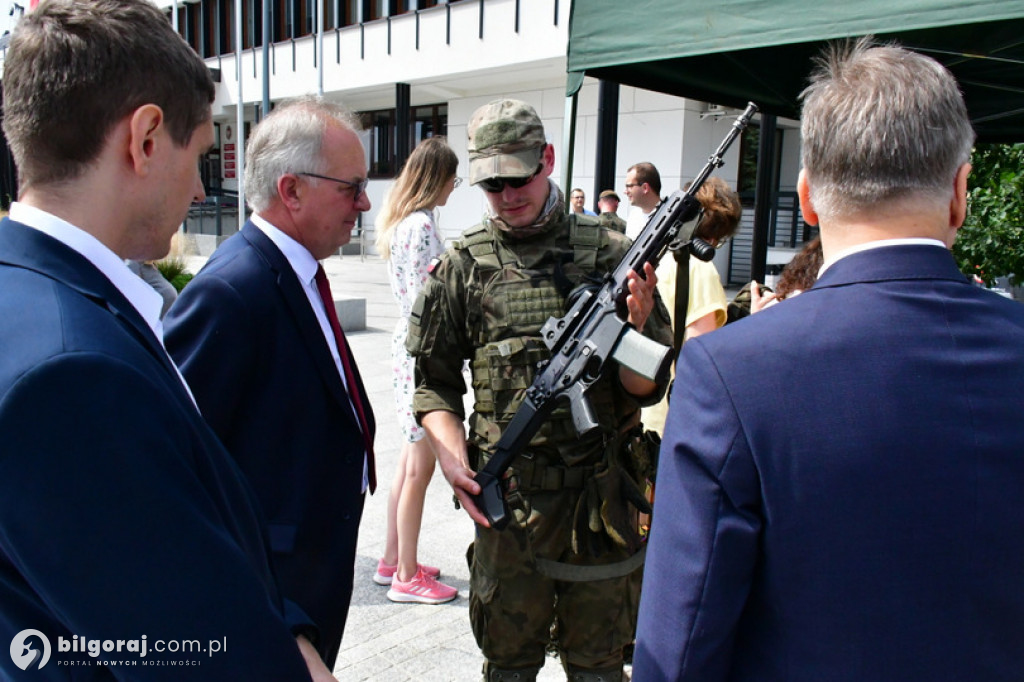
407,236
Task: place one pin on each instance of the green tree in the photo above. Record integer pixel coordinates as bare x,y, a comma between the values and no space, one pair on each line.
991,242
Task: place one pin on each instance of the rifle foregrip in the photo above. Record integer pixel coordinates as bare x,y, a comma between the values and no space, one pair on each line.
491,500
645,356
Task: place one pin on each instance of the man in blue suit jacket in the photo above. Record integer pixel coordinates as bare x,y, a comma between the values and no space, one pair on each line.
840,482
125,526
254,339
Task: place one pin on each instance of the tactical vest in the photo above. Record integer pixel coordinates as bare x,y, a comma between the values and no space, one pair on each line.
512,291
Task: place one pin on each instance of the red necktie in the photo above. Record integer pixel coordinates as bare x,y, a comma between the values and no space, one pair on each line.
324,287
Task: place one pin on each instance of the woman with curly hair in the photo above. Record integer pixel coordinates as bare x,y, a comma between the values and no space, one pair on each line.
799,275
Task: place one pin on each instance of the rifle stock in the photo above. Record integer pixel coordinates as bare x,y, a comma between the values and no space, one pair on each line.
593,331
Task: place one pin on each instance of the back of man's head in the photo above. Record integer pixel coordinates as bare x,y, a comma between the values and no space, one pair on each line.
77,67
608,201
881,125
289,140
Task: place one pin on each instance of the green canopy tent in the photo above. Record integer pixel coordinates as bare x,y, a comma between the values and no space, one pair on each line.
729,52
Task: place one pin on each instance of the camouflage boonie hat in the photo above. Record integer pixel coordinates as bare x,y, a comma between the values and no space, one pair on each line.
506,140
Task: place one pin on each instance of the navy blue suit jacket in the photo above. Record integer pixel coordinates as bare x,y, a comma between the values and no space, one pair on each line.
839,491
121,515
250,346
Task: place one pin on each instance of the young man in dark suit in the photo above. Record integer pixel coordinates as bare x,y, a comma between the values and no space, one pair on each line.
122,518
839,485
255,339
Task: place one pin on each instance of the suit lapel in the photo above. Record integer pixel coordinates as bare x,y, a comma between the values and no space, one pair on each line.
302,315
21,246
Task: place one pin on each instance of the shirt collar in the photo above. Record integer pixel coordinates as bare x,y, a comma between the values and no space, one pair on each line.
141,295
298,256
878,244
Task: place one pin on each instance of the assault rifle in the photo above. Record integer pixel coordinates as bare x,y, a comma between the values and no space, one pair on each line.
595,331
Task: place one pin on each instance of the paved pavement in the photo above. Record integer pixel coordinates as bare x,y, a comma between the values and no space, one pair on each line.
384,641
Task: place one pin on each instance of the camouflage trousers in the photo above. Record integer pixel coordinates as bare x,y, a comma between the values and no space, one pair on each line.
516,611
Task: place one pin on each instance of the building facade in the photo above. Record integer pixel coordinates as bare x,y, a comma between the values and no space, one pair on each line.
416,68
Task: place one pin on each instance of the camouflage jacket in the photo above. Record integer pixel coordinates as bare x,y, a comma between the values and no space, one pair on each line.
485,301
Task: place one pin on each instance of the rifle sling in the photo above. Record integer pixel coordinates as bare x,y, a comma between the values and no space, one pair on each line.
682,302
572,573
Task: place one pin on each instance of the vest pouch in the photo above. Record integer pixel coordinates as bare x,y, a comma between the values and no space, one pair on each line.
502,371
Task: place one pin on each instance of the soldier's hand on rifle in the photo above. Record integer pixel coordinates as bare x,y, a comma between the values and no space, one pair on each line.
461,478
640,301
448,438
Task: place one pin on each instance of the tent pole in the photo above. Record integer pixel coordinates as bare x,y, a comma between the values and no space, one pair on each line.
764,191
569,139
239,117
607,139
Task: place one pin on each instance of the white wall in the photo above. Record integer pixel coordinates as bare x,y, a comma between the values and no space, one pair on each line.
467,72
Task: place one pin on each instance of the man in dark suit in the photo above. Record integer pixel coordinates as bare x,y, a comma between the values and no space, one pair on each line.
255,340
125,526
839,486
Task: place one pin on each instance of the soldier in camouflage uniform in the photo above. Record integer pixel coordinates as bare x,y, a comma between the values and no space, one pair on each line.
567,569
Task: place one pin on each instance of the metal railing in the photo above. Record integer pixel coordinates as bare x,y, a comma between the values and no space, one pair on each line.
209,216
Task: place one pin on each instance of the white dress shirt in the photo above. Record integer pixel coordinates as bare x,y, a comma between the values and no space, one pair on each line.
305,266
878,244
636,221
146,301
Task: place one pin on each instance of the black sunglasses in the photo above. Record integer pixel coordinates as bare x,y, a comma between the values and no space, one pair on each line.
495,185
359,186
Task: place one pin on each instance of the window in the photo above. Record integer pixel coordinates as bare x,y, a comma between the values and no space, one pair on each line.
330,9
307,17
747,173
379,132
750,140
379,135
189,26
428,121
211,26
349,12
252,23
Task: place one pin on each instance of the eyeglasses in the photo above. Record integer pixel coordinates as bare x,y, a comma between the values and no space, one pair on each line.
458,181
633,184
359,185
495,185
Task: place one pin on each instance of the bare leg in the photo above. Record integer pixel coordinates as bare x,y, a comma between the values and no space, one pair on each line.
419,468
391,542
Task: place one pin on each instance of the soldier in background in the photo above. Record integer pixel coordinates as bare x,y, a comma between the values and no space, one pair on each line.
608,202
567,565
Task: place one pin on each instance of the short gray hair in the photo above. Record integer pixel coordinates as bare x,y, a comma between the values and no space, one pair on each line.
881,124
290,140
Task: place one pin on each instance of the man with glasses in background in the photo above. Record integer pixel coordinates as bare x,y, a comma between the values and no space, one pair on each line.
257,337
577,199
643,189
566,568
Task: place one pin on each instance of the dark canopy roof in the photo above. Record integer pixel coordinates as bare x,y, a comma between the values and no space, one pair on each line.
731,51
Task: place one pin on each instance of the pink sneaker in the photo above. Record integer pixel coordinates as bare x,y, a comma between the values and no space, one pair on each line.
387,571
422,589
